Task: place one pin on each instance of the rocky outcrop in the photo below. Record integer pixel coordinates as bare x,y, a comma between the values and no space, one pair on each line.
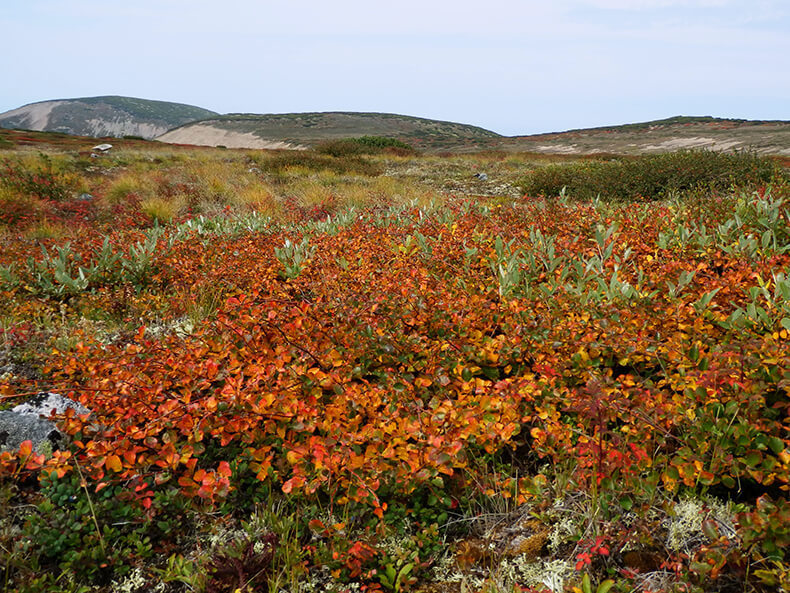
31,421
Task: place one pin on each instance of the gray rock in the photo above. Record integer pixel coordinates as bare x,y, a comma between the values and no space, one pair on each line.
46,404
29,421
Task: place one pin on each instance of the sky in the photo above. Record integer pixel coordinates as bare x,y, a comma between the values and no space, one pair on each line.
511,66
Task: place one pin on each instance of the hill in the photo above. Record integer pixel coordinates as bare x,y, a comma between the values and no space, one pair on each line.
307,129
177,123
299,130
103,116
674,133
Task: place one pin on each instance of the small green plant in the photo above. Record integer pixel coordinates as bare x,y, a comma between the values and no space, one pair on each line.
294,256
506,267
395,577
93,537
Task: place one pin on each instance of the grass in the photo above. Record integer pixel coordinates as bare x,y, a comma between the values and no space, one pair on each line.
337,373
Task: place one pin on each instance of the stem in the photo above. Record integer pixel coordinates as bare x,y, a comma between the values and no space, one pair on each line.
90,505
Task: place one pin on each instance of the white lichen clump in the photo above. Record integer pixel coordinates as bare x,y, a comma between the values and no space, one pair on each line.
549,574
136,582
684,526
561,532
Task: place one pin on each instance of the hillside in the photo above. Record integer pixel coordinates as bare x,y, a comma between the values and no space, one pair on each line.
307,129
674,133
298,130
103,116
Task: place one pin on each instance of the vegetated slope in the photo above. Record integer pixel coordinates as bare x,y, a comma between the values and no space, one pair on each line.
307,129
666,135
103,116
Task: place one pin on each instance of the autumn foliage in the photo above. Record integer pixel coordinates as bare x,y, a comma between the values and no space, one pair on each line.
640,352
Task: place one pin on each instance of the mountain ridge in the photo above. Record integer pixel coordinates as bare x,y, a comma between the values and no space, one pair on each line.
178,123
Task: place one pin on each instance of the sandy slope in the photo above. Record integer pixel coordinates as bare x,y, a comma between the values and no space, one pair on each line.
36,117
207,135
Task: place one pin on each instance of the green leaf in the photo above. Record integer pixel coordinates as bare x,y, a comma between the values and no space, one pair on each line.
586,585
753,458
776,444
605,586
767,577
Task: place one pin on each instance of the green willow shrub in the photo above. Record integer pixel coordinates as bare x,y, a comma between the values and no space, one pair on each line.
364,145
653,176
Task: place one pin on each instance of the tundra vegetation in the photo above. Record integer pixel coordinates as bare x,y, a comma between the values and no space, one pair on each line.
367,370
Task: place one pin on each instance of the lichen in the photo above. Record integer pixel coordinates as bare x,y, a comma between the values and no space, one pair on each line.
684,525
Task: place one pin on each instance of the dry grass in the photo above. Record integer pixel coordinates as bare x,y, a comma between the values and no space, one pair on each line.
164,210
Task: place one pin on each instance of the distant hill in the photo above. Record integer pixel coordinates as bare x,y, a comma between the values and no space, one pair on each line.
103,116
674,133
308,129
184,124
299,130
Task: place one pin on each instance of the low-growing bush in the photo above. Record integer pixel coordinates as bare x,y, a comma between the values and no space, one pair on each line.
653,176
364,145
41,177
93,537
19,210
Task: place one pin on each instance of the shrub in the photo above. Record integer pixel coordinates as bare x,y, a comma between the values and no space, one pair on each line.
653,176
94,537
18,210
40,177
364,145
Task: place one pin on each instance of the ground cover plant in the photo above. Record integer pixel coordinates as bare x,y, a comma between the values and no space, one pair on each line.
321,373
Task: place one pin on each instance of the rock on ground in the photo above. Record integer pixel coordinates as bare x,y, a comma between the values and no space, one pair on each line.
30,421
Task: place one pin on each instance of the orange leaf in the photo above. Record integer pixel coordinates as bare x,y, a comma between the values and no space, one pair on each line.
113,463
224,469
26,448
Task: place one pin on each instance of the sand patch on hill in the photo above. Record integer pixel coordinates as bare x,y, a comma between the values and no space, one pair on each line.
36,116
694,142
208,135
558,148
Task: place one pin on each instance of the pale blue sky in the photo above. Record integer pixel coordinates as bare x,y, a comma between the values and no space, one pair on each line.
515,67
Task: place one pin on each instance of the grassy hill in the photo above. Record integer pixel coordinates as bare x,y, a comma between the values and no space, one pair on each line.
664,135
103,116
307,129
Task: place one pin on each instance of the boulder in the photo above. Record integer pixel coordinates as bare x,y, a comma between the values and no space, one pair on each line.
30,421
